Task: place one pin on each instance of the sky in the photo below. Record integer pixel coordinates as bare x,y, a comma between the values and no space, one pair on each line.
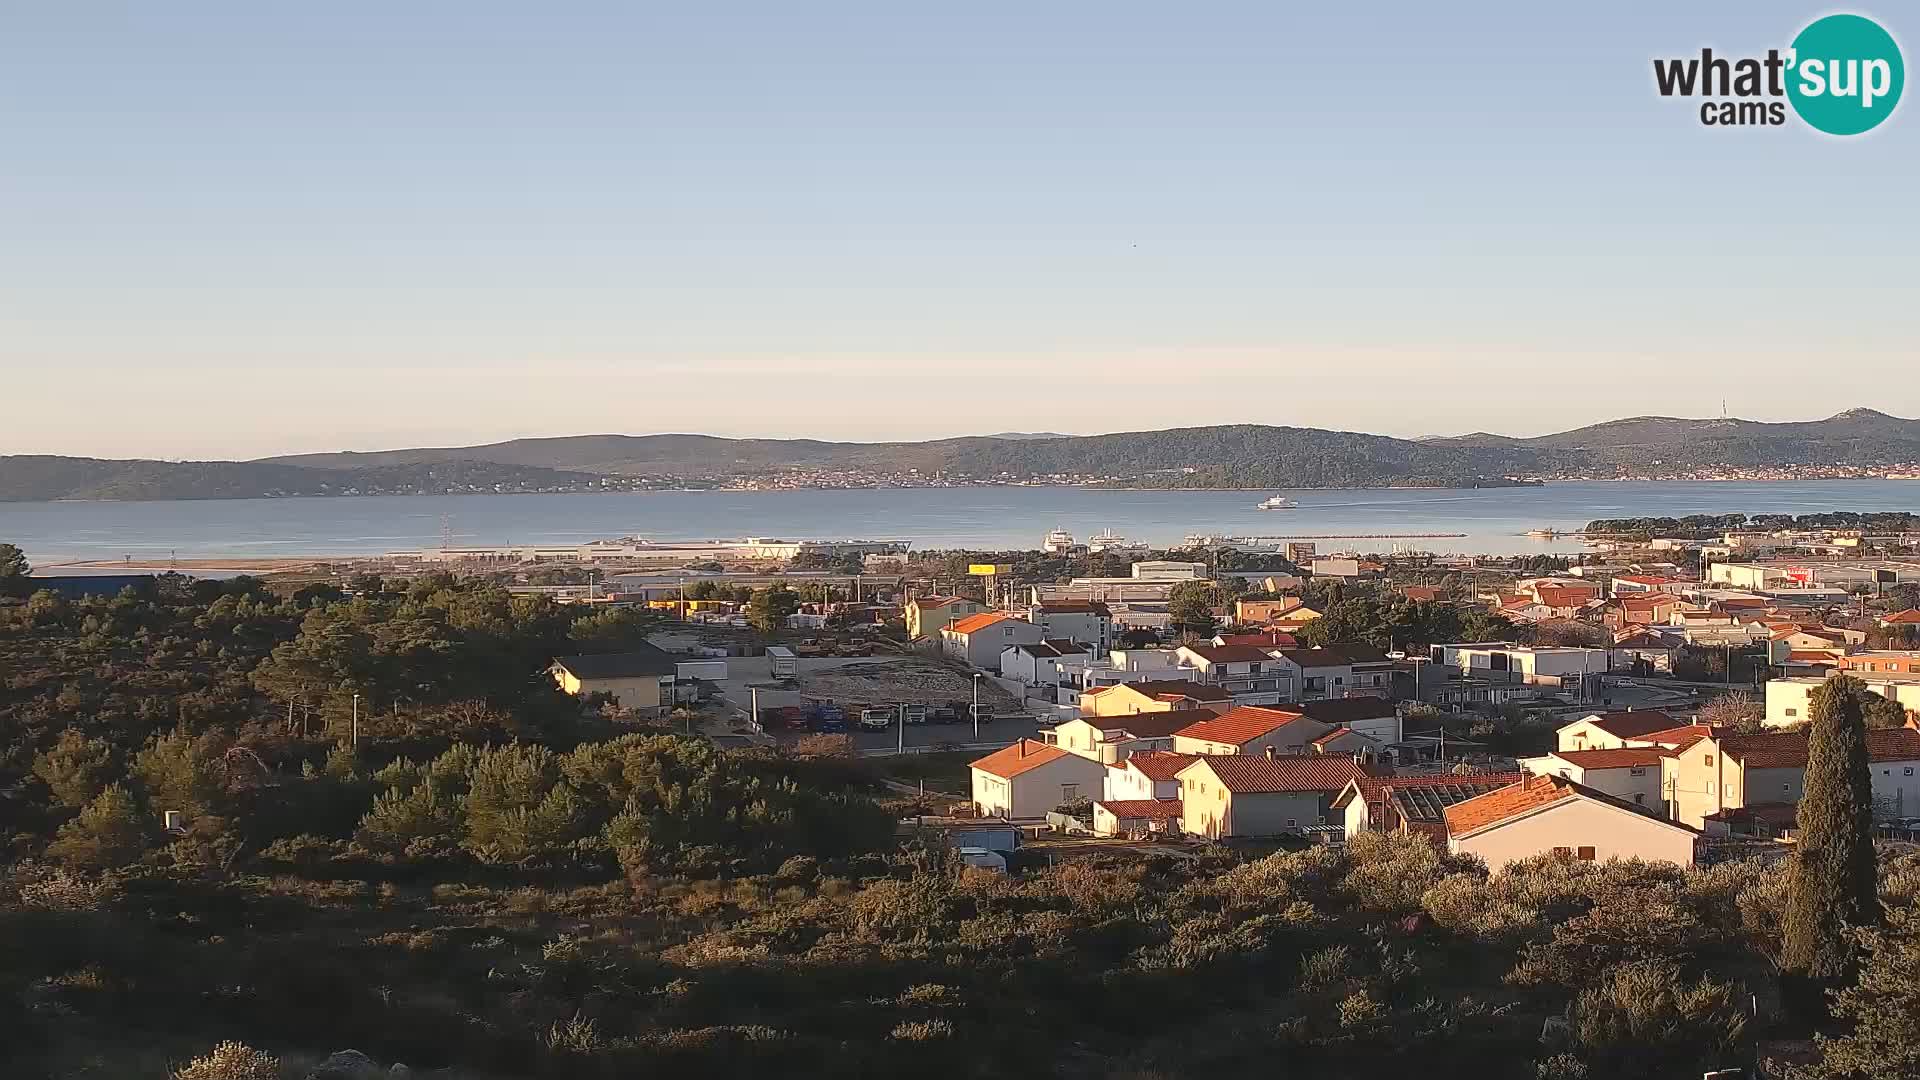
239,229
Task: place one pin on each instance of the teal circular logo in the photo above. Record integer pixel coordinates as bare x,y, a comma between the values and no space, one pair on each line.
1845,74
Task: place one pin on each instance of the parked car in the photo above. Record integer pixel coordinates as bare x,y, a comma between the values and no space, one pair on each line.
876,719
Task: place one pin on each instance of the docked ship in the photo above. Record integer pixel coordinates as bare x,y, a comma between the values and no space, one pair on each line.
1108,540
1276,502
1057,541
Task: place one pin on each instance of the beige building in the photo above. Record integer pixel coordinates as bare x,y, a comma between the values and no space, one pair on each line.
1261,795
1125,699
1790,701
1725,772
1630,774
1551,814
926,615
1026,780
1612,730
639,679
1112,739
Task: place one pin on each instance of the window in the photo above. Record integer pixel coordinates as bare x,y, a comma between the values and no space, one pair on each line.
1908,771
1640,797
1786,789
1069,792
1563,851
1637,770
1586,854
1709,787
1291,823
1709,760
1793,712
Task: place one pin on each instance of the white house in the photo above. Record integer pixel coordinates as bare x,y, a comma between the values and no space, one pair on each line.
1151,774
1612,730
1043,663
1117,738
978,640
1247,672
1026,780
1790,701
1552,814
1630,774
1088,622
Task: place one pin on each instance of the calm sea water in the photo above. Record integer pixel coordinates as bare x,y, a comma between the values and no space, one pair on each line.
1494,520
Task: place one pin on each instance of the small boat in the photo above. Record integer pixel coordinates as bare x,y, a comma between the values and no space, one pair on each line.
1057,541
1276,502
1542,534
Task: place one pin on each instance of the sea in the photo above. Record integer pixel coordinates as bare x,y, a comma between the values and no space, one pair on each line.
1487,520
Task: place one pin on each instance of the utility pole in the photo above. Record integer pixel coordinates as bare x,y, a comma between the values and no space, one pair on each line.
356,723
976,706
755,692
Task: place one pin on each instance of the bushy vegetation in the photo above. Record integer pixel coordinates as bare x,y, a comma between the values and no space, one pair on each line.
492,884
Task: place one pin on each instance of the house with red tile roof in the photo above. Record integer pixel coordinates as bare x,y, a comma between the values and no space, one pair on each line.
1150,774
1136,818
1909,617
1239,795
1251,673
1412,804
1728,771
978,640
1554,815
1153,695
1114,739
1026,780
1611,730
1631,773
1251,729
1272,639
927,614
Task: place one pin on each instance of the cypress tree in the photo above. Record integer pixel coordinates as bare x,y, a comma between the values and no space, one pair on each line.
1834,877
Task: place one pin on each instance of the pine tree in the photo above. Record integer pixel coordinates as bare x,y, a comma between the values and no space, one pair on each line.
109,832
1833,882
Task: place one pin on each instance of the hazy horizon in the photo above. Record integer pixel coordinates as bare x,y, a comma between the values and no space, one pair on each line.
235,231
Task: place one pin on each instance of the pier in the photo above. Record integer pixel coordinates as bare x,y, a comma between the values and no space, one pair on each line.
1356,536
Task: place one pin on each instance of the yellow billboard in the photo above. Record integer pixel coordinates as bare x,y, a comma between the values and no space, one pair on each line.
988,569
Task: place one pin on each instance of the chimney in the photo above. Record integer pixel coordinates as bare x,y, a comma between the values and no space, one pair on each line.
1023,748
1270,752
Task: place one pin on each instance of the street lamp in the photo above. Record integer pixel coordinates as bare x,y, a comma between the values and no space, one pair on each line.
976,706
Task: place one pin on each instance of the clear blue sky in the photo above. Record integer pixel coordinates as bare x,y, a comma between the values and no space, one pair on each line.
235,229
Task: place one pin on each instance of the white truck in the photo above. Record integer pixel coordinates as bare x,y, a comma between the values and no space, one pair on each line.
781,662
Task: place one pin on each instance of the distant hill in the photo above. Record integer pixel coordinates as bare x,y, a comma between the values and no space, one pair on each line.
1240,455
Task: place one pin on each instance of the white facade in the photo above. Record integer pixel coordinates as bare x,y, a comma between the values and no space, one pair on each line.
1639,784
1030,794
982,647
1790,701
1583,827
1090,628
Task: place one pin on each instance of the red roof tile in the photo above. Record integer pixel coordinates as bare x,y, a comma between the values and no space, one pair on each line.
1010,761
1241,725
1788,749
1158,764
1632,725
978,622
1911,615
1151,725
1196,691
1230,654
1507,802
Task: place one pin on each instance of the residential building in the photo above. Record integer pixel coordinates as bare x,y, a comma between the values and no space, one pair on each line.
1261,612
1261,795
1730,772
1026,780
1790,700
1552,814
978,640
1149,774
1376,718
926,615
639,679
1630,774
1524,663
1137,819
1867,663
1266,639
1248,672
1088,622
1043,663
1412,804
1338,671
1115,739
1250,730
1612,730
1125,699
1333,566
